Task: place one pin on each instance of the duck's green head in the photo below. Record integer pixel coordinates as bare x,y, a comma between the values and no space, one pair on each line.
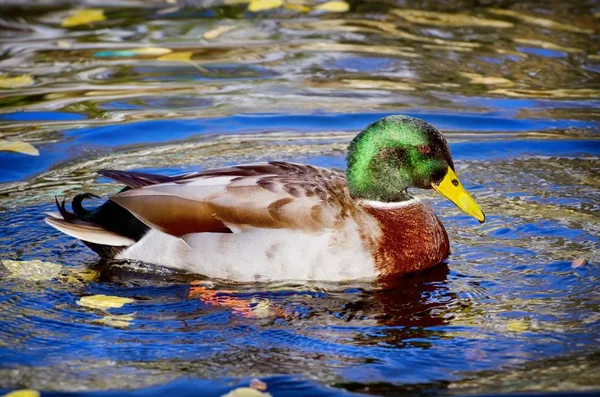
398,152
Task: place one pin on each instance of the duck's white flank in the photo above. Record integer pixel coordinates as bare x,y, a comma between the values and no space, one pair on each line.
261,254
390,205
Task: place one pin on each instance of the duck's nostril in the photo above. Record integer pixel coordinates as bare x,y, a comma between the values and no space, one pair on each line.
455,182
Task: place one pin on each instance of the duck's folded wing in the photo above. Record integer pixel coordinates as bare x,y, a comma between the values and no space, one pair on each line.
133,179
271,195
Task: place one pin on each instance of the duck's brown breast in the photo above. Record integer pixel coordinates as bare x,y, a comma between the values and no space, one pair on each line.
412,238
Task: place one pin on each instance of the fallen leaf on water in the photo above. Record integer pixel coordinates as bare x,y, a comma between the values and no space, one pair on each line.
34,270
103,302
22,393
333,6
216,32
19,147
117,321
183,56
15,82
83,17
261,5
76,276
297,7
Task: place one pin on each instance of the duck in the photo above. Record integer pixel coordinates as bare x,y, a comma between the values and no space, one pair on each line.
284,221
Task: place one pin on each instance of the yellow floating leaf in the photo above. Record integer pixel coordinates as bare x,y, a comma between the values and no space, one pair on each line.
297,7
261,5
246,392
77,276
22,393
182,56
34,270
83,17
333,6
103,302
216,32
153,51
88,274
14,82
117,321
19,147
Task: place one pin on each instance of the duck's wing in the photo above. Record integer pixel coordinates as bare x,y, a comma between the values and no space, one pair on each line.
265,195
134,179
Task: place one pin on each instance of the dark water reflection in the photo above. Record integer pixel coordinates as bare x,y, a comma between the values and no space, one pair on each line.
515,87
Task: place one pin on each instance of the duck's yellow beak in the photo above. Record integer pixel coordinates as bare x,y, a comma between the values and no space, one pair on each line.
451,188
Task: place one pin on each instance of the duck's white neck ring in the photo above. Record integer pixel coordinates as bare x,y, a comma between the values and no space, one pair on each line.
389,205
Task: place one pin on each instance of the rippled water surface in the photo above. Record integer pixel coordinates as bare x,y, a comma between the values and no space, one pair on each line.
515,87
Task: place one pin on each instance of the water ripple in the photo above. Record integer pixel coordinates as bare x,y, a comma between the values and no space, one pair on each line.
515,89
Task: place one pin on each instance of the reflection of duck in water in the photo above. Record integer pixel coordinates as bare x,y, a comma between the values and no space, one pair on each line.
286,221
404,302
417,301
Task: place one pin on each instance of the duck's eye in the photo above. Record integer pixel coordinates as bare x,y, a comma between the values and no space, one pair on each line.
424,149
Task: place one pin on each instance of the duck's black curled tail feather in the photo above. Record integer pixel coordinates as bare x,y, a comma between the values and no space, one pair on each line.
107,229
77,205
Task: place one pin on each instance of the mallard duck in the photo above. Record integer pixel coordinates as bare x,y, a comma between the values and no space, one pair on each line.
286,221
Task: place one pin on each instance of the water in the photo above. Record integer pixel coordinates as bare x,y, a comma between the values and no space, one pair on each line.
515,88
